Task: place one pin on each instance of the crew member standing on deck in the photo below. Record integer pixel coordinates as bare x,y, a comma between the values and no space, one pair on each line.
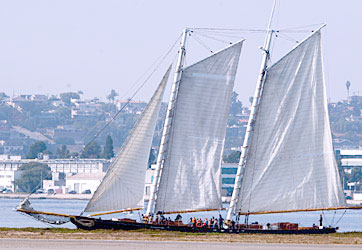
320,220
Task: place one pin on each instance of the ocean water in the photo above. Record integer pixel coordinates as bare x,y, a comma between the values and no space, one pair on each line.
348,221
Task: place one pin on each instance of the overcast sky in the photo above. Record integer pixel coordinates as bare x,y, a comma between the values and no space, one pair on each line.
56,46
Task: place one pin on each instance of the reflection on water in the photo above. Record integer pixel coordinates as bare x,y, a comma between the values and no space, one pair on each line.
351,221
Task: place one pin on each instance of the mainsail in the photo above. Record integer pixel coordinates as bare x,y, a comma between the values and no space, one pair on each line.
123,185
290,163
191,175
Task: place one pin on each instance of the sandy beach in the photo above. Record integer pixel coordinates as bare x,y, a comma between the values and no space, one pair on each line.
30,244
154,235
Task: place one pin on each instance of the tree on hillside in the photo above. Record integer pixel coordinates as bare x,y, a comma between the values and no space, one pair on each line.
62,152
3,95
67,96
108,152
112,95
235,105
74,155
35,149
32,175
91,150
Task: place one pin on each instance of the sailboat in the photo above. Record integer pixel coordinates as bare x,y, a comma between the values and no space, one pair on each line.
287,162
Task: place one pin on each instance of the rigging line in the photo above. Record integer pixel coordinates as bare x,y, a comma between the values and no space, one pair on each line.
324,216
295,31
130,99
196,38
304,26
220,29
225,34
334,215
216,39
223,31
288,38
39,185
152,65
341,216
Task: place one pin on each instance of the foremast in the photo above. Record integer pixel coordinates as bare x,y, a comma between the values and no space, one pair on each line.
167,125
252,117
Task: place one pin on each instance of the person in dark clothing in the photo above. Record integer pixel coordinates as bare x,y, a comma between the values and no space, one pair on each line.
233,224
178,217
321,220
221,221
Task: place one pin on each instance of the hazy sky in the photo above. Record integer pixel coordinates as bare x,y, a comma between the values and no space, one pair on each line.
61,45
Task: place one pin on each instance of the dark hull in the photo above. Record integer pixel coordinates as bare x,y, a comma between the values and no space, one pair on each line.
92,224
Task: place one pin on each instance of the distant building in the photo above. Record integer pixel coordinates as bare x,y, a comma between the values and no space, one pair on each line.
349,159
8,178
83,181
61,169
85,108
133,107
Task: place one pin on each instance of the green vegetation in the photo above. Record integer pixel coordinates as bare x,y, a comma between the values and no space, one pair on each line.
3,95
62,152
346,121
92,150
66,97
57,118
112,95
35,149
235,105
108,152
31,176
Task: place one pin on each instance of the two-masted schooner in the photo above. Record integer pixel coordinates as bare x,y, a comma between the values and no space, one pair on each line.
287,161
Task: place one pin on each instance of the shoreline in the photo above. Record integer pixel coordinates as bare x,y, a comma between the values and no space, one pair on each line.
351,238
47,196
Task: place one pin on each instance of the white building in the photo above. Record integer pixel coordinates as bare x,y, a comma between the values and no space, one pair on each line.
83,181
8,178
349,159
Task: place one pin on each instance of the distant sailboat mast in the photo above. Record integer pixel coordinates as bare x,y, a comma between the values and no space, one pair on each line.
252,117
167,124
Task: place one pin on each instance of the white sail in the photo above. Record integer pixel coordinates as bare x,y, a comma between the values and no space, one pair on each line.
290,163
123,185
191,176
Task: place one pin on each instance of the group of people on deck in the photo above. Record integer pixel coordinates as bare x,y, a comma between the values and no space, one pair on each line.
207,223
213,223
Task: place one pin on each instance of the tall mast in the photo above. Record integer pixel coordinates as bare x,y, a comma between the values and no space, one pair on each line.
251,121
167,125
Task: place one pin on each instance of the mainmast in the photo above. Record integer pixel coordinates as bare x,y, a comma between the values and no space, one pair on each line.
167,124
252,117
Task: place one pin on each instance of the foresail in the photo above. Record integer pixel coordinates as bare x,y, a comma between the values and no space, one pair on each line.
191,176
290,163
123,185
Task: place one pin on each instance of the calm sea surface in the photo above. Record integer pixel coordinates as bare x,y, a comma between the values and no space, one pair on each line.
351,221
